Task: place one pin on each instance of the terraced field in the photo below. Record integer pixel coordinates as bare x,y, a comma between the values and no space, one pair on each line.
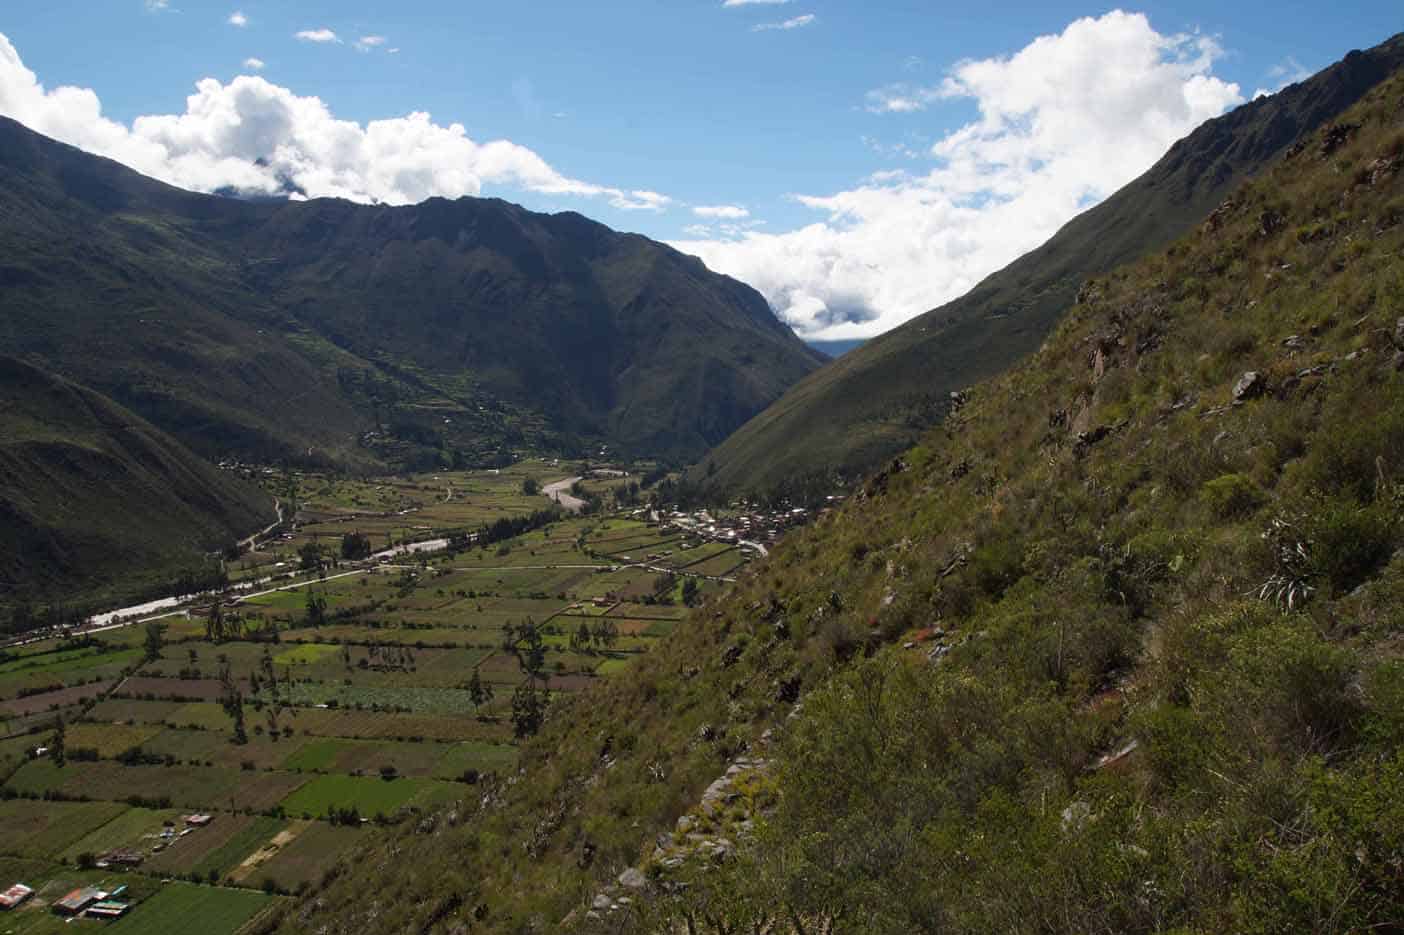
355,690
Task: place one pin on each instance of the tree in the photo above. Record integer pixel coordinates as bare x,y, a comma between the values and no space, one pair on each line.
214,623
315,609
580,639
605,633
689,592
528,710
58,751
310,557
155,639
530,486
232,700
355,546
479,692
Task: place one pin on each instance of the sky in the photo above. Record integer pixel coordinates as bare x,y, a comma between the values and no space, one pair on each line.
857,161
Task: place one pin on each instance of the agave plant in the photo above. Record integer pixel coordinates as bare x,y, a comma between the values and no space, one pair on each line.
1289,585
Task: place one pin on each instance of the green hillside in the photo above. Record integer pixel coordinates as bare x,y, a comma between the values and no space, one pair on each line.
1114,649
877,400
326,332
95,501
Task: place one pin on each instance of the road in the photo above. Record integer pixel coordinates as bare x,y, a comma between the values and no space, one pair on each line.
560,493
251,541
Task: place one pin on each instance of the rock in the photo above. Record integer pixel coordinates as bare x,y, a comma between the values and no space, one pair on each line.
1294,343
633,879
1250,385
1399,333
601,902
1398,360
685,824
1076,815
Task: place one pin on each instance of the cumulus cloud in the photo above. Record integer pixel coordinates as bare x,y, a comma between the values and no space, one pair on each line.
255,137
1062,124
793,23
254,64
366,43
721,212
237,18
316,35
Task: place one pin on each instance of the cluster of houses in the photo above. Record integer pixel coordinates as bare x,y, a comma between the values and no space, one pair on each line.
89,901
92,902
749,526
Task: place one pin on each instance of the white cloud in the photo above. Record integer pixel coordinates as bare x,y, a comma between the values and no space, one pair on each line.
639,200
1062,124
237,18
316,35
366,43
254,64
792,23
157,6
258,138
902,98
721,212
754,2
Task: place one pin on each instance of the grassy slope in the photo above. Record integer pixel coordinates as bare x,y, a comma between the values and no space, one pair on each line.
877,400
90,493
1097,587
286,330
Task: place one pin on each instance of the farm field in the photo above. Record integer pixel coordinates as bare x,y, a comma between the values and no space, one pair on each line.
291,711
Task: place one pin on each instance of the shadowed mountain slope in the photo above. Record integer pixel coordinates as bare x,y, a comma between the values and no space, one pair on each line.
90,494
364,335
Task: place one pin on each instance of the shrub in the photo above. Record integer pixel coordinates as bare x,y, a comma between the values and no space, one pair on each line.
1350,543
1231,496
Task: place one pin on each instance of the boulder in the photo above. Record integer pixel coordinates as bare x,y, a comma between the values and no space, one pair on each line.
633,879
1250,385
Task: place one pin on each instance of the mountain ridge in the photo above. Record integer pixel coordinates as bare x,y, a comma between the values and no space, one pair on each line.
448,329
876,400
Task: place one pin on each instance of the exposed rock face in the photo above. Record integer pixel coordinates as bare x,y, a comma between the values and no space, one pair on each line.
1250,385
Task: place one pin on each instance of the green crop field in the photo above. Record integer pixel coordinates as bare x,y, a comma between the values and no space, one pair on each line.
134,829
379,682
174,909
369,796
35,828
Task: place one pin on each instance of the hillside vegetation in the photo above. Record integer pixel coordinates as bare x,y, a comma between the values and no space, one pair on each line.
96,501
877,400
360,336
1117,648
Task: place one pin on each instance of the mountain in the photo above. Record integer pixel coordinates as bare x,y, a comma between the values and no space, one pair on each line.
1115,648
96,501
876,400
367,336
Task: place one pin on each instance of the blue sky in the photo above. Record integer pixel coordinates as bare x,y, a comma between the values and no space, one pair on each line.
650,111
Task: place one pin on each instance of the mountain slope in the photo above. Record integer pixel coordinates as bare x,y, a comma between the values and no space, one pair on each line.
1115,649
876,400
94,500
291,330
